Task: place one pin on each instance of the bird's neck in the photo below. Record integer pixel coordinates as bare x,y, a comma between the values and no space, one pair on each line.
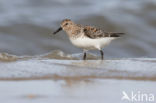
73,30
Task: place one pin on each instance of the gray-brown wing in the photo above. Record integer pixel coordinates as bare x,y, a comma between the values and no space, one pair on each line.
94,33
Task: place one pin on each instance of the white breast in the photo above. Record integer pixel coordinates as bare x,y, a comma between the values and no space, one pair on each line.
88,43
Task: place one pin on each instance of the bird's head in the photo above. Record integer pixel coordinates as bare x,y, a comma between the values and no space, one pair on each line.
65,25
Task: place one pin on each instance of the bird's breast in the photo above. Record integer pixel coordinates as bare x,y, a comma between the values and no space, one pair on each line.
88,43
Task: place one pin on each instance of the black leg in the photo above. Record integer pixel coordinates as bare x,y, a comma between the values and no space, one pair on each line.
102,54
84,56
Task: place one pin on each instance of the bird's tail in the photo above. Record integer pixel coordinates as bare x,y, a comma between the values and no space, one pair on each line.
116,34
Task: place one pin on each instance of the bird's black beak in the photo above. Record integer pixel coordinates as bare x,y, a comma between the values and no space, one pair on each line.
59,29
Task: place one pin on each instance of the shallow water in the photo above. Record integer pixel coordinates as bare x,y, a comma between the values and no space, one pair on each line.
36,79
26,25
72,67
62,91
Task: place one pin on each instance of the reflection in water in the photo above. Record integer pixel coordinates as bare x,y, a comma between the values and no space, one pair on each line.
69,83
61,91
33,96
89,63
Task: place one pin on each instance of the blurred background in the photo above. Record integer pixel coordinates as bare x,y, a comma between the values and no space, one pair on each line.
26,26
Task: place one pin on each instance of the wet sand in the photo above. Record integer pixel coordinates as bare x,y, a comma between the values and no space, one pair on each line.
40,79
66,91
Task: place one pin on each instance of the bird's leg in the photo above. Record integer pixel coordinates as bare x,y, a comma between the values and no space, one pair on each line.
102,54
84,55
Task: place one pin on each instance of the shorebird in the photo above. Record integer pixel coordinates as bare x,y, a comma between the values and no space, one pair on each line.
87,37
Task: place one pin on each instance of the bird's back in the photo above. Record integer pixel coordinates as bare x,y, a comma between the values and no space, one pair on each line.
95,33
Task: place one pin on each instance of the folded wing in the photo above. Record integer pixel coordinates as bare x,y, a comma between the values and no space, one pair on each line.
95,33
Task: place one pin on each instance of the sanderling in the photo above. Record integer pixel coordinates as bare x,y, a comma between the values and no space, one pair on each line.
87,37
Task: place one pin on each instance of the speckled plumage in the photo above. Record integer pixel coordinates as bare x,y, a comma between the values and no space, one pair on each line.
87,37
